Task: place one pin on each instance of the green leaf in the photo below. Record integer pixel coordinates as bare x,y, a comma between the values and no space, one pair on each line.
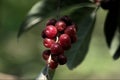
38,12
85,27
32,18
46,74
67,3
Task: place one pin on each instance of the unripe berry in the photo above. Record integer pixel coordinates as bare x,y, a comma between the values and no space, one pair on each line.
60,25
53,64
50,31
51,22
56,49
65,41
70,30
48,42
46,54
62,59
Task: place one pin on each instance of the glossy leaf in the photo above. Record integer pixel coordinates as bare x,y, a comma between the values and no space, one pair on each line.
46,74
32,19
85,27
38,12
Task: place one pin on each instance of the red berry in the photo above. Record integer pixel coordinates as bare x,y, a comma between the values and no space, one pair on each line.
64,31
70,30
56,49
65,41
50,31
51,22
60,25
46,54
48,42
53,64
62,59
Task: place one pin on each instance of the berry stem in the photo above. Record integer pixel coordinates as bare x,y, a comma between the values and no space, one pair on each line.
57,39
49,59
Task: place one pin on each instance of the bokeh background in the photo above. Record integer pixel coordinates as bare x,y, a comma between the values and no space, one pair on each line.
21,59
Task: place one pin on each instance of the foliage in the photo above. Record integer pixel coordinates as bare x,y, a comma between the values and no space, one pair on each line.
83,13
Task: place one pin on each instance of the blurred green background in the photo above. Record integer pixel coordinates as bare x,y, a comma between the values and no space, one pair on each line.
23,60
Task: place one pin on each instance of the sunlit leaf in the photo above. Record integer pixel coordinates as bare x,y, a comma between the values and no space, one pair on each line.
85,27
46,74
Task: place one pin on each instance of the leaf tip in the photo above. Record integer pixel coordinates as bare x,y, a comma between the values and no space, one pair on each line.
117,54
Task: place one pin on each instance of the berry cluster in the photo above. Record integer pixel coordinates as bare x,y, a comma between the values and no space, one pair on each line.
58,36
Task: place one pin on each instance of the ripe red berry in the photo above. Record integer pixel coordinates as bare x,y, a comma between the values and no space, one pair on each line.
60,25
46,54
50,31
51,22
64,31
48,42
53,64
70,30
56,49
62,59
65,41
